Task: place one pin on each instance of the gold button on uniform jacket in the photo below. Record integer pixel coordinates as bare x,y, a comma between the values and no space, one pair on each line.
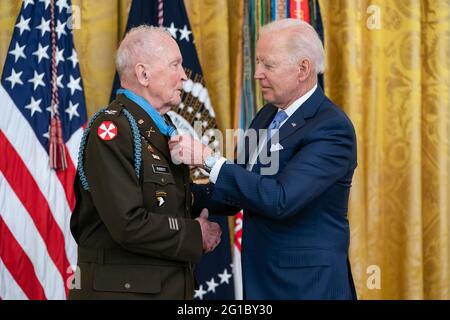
134,226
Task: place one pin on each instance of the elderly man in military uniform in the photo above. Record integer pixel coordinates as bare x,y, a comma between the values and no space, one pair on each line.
133,221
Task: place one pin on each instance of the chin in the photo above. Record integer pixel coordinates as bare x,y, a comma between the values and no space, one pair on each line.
176,102
164,110
268,97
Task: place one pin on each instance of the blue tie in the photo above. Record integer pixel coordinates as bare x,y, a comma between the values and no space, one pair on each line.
276,122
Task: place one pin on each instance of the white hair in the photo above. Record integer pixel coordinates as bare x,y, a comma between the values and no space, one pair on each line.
303,43
139,42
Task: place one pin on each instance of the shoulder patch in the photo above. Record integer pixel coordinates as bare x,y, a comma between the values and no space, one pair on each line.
107,130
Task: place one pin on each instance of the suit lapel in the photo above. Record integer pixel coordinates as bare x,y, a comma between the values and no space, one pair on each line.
147,127
265,118
262,122
307,110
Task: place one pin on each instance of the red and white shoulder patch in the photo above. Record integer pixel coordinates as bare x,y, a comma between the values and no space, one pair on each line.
107,130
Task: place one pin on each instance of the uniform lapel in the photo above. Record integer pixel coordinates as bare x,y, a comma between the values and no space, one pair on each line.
147,127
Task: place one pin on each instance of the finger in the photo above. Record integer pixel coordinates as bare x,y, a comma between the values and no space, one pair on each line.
172,144
178,151
204,214
175,139
176,159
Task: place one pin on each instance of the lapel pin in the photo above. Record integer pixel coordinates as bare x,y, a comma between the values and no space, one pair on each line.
155,156
293,124
149,132
140,121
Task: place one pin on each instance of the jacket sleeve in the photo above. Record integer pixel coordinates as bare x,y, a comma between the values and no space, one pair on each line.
326,156
203,199
117,194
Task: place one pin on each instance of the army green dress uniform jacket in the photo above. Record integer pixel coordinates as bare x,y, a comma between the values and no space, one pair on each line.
133,221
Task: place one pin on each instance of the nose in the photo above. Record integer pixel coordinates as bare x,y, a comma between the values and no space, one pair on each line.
258,72
183,75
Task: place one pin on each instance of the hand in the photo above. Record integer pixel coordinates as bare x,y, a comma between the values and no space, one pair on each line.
210,232
185,149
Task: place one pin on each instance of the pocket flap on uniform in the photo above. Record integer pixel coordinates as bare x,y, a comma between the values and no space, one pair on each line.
303,258
127,278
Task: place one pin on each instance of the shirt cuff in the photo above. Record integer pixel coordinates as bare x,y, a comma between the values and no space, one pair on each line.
214,174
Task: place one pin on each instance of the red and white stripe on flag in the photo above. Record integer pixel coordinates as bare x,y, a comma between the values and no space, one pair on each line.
37,250
237,268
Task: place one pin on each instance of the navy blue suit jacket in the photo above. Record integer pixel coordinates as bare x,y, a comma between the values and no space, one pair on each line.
295,230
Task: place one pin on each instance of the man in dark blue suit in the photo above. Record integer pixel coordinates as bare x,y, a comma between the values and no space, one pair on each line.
295,231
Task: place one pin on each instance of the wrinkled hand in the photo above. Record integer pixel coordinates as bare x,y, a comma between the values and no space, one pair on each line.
185,149
210,232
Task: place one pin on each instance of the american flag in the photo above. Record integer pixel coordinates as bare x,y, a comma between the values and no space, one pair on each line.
36,246
237,267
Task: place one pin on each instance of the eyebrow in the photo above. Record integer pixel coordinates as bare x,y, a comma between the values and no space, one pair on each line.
267,61
178,60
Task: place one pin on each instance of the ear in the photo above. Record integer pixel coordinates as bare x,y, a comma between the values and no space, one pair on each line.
142,74
304,69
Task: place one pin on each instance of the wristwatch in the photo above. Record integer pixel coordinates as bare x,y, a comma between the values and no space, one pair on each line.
210,161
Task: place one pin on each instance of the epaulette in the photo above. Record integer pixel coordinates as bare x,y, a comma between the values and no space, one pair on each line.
114,110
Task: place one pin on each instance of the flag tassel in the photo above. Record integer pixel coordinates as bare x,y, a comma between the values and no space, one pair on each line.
57,155
57,152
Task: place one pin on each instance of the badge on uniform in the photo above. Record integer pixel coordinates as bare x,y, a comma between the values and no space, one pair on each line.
107,130
160,169
149,132
151,150
161,198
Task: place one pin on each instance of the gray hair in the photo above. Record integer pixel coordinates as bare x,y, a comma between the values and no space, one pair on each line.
304,43
139,42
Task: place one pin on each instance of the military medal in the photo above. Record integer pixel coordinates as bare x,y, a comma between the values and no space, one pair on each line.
151,150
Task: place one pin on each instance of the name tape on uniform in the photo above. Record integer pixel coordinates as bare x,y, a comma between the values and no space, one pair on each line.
160,169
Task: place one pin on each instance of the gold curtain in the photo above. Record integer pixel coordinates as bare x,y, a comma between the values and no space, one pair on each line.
388,67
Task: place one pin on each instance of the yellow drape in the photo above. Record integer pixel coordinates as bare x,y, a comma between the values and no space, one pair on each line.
392,79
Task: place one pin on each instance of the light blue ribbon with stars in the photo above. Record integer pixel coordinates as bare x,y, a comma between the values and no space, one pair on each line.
165,128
